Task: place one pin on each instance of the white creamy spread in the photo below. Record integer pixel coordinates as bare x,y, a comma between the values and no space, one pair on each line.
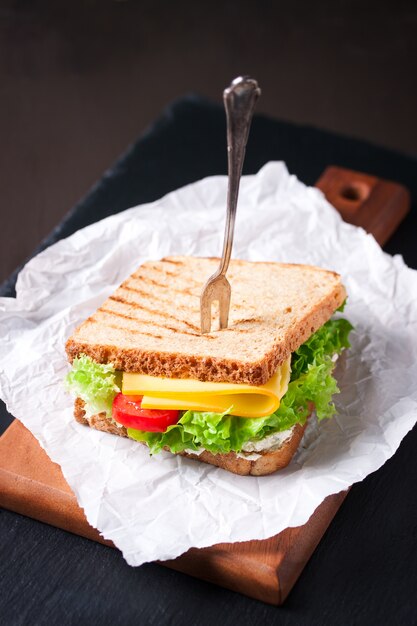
249,456
250,451
271,442
196,452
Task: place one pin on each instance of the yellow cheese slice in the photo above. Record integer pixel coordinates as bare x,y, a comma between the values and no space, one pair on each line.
188,394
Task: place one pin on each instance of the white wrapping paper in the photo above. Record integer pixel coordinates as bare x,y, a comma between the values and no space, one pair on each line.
157,508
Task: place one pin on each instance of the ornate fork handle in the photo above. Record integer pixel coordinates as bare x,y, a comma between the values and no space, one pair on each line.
239,101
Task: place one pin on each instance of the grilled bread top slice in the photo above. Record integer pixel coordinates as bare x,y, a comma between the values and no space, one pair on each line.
151,324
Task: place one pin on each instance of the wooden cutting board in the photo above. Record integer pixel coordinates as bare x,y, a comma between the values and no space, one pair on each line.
32,485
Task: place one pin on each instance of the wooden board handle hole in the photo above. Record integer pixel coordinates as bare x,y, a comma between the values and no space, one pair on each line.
355,192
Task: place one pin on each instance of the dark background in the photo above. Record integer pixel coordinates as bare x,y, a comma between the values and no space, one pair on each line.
80,80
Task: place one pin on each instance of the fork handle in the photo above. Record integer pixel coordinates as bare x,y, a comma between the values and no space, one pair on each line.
239,101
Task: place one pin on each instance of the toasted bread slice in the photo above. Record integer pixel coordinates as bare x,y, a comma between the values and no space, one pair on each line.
151,324
268,462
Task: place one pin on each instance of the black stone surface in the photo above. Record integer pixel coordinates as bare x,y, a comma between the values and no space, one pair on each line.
364,570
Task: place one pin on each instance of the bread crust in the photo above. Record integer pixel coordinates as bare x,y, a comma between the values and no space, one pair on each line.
268,462
151,323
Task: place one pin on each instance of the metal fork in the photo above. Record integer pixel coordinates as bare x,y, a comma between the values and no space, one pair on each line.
239,101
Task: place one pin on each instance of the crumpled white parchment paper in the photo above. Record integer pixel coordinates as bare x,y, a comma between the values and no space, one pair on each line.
157,508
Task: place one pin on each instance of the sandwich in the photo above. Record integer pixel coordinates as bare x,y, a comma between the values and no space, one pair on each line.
238,398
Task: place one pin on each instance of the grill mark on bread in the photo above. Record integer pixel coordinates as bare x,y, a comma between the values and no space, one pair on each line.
138,275
251,320
144,279
168,260
187,292
144,294
149,322
131,330
182,307
135,305
123,315
233,329
162,270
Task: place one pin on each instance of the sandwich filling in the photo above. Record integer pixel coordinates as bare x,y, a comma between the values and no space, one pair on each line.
190,415
185,394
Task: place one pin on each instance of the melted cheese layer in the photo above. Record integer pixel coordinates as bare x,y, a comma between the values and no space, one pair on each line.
188,394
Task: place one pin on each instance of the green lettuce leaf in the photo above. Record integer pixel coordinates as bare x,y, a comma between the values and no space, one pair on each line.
329,339
342,306
311,382
95,383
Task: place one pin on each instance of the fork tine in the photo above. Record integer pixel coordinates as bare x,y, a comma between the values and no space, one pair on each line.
224,302
217,289
205,311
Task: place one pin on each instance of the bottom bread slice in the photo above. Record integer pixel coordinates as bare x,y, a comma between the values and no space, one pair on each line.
268,462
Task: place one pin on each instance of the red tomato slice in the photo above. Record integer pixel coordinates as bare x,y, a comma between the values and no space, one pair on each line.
127,410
